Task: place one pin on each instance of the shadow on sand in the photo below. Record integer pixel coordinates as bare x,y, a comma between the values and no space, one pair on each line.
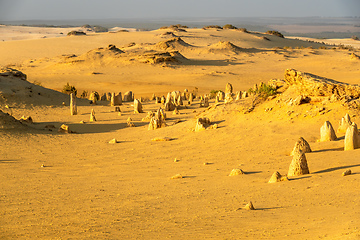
336,168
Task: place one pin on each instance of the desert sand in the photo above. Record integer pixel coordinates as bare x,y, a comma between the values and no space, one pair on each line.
80,186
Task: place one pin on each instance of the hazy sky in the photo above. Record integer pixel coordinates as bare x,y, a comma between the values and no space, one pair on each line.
100,9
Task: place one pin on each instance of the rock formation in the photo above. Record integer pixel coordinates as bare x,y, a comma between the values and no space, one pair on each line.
73,107
204,101
228,98
169,104
228,88
301,145
129,123
244,94
276,177
103,97
27,119
94,97
298,165
344,124
221,95
352,139
137,106
128,96
116,99
179,101
347,172
92,116
238,96
158,120
148,117
327,132
202,124
236,172
312,85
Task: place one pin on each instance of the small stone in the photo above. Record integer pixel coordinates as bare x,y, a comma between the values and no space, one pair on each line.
249,206
42,165
347,172
176,160
276,177
112,141
82,122
27,119
236,172
177,176
65,129
161,139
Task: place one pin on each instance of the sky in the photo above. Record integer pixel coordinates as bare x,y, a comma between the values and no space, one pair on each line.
12,10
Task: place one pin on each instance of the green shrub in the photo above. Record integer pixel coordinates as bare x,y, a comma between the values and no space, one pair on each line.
276,33
98,29
212,26
68,89
213,93
354,37
76,33
264,91
242,30
229,26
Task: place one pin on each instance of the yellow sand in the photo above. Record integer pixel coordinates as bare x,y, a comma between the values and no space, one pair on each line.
81,187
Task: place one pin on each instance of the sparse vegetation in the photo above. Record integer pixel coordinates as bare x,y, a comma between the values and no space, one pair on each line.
264,91
242,30
213,93
76,33
68,89
229,26
212,27
276,33
100,29
177,26
354,37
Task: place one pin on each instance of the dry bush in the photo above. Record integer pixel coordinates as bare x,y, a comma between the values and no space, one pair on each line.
276,33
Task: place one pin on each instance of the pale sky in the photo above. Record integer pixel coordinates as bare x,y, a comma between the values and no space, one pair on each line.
105,9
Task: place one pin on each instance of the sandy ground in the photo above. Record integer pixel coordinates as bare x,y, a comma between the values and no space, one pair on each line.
90,189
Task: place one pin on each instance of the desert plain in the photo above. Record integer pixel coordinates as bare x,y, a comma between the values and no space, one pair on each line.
79,186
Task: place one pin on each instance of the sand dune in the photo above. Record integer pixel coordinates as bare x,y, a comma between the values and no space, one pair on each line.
78,185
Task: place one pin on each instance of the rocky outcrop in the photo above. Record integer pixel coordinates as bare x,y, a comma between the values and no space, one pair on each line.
312,85
10,72
9,122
